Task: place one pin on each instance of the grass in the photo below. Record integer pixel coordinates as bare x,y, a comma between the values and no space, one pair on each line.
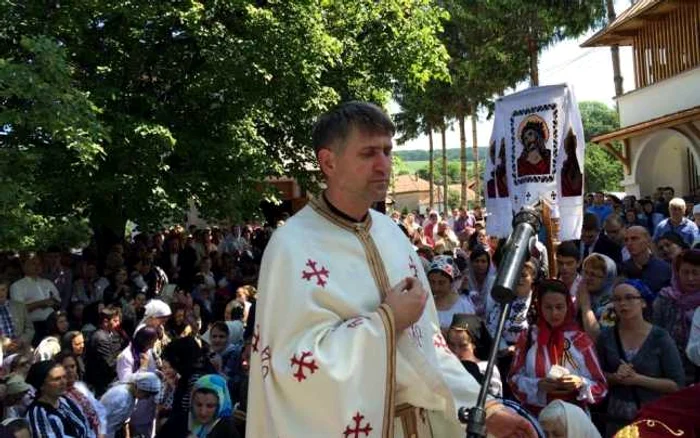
413,166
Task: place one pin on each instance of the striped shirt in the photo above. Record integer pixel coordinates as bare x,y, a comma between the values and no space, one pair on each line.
65,421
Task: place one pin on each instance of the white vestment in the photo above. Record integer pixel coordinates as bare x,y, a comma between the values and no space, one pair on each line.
325,360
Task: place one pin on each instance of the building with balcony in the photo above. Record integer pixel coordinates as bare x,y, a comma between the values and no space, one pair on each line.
658,141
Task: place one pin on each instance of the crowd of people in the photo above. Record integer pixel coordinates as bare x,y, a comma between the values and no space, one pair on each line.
616,328
146,340
153,337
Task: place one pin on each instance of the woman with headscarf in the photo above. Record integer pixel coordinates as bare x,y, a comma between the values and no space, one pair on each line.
79,393
225,340
674,307
156,314
556,360
562,419
121,399
594,293
51,414
480,275
442,275
638,358
138,357
211,414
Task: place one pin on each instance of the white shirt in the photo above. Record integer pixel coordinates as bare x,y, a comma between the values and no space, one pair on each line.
125,363
29,290
462,305
119,404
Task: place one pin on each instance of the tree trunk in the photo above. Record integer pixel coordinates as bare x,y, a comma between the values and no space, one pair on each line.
534,55
430,166
462,159
443,133
107,224
615,52
477,176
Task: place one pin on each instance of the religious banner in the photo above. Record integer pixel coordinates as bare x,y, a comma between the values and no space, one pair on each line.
498,206
543,147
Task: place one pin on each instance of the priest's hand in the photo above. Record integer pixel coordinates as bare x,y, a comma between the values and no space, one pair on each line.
407,300
502,422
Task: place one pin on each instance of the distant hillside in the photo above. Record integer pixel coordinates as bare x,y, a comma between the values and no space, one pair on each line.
452,154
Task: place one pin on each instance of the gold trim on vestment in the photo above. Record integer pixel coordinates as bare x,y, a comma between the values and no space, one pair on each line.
632,430
381,279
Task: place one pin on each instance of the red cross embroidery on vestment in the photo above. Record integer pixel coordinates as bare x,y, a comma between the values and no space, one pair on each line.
439,342
265,357
320,274
412,266
301,364
356,428
356,321
416,333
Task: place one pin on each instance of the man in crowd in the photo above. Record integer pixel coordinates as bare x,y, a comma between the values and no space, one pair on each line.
351,286
61,276
15,325
102,351
678,223
592,240
567,264
38,294
642,264
599,207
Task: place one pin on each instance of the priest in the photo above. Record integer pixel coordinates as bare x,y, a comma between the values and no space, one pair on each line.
346,341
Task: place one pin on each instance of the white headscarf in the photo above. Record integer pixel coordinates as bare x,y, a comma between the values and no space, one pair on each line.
578,425
154,309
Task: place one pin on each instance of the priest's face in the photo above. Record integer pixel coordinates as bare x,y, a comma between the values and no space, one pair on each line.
360,170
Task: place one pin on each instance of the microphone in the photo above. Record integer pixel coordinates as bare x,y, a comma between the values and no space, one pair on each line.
518,247
517,250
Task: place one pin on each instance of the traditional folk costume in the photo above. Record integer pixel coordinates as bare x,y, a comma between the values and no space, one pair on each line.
567,346
325,359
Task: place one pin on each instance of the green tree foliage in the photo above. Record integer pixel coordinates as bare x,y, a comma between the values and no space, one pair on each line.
532,25
130,110
603,172
598,118
399,166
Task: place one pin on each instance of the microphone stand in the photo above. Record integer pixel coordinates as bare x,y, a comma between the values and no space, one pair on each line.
475,418
518,248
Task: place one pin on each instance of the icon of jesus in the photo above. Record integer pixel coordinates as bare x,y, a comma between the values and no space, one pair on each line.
535,158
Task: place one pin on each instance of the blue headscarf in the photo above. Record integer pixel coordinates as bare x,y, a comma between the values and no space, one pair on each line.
642,288
216,384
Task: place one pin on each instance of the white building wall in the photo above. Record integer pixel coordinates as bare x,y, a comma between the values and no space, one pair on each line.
660,159
669,96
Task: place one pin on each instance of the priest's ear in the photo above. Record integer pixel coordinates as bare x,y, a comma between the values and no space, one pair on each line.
327,161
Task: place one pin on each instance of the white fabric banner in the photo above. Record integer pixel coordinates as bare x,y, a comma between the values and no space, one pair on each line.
544,149
498,205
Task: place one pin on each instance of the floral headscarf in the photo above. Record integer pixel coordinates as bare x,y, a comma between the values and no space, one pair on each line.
444,265
217,385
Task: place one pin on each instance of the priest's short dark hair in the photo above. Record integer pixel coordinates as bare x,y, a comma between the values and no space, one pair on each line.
333,128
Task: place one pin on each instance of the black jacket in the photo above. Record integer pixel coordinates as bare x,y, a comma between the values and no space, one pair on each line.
606,247
101,360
